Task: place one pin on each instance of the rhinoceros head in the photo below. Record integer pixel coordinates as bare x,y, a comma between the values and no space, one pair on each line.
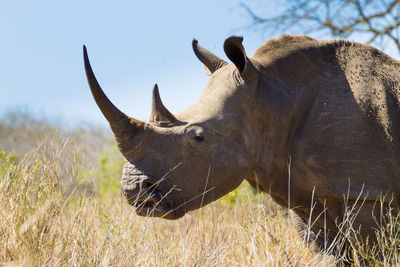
177,163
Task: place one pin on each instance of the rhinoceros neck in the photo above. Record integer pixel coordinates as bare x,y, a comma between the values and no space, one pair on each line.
288,87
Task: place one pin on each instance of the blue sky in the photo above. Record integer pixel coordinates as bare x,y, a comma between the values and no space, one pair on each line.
131,44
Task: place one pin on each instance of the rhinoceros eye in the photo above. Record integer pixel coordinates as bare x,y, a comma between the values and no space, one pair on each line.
195,134
199,138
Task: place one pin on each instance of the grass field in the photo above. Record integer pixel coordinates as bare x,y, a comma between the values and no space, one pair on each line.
60,205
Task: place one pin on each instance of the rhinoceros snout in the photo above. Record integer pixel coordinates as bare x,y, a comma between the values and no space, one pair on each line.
142,192
139,189
133,178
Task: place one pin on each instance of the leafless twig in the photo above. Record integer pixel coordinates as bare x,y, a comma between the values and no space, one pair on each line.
376,22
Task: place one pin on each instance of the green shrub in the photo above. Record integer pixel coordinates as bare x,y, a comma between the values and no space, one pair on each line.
108,172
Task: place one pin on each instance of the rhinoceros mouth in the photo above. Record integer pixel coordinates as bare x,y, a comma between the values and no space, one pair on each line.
162,210
155,205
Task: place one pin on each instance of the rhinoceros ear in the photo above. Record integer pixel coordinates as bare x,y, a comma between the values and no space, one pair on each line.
234,50
211,62
159,113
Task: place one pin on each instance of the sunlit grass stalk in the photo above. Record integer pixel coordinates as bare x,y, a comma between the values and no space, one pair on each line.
57,211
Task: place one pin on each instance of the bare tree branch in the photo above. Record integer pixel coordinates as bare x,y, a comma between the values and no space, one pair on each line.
377,21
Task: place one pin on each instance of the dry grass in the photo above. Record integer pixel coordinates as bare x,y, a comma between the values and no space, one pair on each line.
55,211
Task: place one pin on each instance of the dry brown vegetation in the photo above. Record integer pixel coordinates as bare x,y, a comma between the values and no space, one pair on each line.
58,207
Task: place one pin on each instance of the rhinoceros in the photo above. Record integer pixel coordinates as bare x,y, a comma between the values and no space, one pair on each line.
312,123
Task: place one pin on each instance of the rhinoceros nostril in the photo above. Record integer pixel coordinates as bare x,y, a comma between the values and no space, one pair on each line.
150,201
153,198
131,197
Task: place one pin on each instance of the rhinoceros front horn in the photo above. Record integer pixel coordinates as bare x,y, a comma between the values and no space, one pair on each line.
124,127
159,113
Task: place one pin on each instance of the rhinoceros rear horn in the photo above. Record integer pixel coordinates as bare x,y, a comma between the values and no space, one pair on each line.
120,123
211,62
159,113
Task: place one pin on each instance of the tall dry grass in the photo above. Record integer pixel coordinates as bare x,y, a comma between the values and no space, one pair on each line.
56,209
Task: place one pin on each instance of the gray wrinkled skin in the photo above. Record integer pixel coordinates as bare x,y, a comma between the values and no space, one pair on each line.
330,108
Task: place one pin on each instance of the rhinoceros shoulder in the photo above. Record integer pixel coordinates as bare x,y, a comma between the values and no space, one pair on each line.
283,44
